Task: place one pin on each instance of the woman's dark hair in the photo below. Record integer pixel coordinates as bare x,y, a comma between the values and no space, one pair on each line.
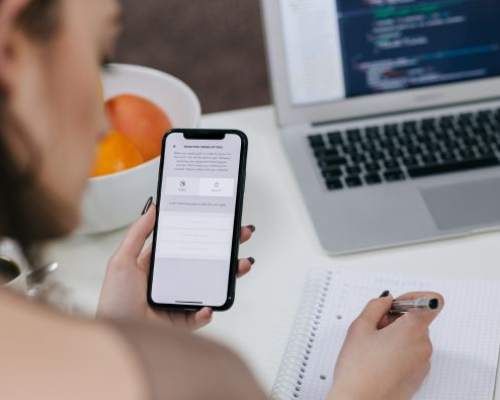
39,20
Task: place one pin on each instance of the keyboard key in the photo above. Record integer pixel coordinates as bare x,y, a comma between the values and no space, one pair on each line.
428,122
353,181
429,129
484,115
369,145
358,158
325,153
485,151
440,134
387,143
332,161
372,133
465,122
373,179
460,133
353,170
334,184
391,164
465,117
447,121
405,141
372,167
464,165
353,135
372,129
410,126
429,159
335,138
332,173
448,157
410,161
433,147
350,149
396,152
467,153
377,155
414,149
470,141
477,129
394,175
426,137
316,141
328,154
497,114
391,129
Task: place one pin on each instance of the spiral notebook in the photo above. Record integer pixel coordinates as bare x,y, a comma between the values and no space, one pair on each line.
466,336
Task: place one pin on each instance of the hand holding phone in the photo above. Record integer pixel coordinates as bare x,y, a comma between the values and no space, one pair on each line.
200,198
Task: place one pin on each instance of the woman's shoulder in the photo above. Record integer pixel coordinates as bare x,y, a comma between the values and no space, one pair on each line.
47,348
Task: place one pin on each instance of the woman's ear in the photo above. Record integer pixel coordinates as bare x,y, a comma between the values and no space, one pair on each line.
10,38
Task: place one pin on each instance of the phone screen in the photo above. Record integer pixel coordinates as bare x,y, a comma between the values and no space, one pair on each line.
197,211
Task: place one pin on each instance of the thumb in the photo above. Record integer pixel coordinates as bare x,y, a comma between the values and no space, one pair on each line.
422,317
137,235
375,311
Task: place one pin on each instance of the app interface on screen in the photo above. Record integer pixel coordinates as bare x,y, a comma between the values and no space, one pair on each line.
195,225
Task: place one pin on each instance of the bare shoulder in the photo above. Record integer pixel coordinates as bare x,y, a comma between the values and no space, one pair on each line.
69,358
62,357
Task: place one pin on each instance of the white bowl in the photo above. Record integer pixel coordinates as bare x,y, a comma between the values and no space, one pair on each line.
114,201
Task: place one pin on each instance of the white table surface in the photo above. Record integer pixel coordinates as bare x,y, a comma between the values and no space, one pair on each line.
285,247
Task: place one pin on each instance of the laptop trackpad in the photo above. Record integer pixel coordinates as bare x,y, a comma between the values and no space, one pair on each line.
465,204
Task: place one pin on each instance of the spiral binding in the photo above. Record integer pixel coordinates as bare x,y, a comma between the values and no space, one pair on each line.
293,368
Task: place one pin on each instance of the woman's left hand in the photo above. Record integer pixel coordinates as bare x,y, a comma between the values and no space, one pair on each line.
123,295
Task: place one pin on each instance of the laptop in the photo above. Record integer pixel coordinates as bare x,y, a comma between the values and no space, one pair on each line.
389,113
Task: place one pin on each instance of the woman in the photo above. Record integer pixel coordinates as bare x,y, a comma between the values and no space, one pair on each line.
51,117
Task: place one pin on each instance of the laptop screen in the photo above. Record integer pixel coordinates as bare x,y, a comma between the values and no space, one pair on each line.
339,49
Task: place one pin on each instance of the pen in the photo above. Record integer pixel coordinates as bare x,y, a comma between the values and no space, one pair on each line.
404,306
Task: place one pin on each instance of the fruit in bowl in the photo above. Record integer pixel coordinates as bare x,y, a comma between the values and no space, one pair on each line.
142,104
138,126
115,153
142,121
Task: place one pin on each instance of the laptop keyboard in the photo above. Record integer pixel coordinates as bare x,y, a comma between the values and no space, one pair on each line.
408,150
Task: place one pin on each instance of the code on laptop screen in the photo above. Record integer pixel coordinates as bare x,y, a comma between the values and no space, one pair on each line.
390,45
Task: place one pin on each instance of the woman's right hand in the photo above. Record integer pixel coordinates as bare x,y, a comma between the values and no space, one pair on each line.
384,359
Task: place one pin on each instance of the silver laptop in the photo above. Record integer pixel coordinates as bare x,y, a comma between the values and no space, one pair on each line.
390,115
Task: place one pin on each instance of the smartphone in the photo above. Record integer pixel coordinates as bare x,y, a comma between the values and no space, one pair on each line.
199,205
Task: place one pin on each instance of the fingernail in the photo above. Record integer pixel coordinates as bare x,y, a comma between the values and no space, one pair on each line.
147,206
252,228
385,293
252,260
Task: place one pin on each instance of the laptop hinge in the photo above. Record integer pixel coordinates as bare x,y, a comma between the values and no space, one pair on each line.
395,113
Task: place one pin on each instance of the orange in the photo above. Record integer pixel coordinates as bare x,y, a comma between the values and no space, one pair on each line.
116,153
143,122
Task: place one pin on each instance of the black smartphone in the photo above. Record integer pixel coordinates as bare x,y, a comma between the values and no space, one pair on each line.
199,205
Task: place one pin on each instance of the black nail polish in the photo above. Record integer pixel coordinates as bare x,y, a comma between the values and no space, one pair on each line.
251,227
385,293
252,260
147,206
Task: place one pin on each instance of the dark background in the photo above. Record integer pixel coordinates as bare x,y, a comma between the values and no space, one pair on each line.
215,46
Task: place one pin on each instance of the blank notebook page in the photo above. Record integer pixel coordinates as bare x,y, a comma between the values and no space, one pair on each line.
465,335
